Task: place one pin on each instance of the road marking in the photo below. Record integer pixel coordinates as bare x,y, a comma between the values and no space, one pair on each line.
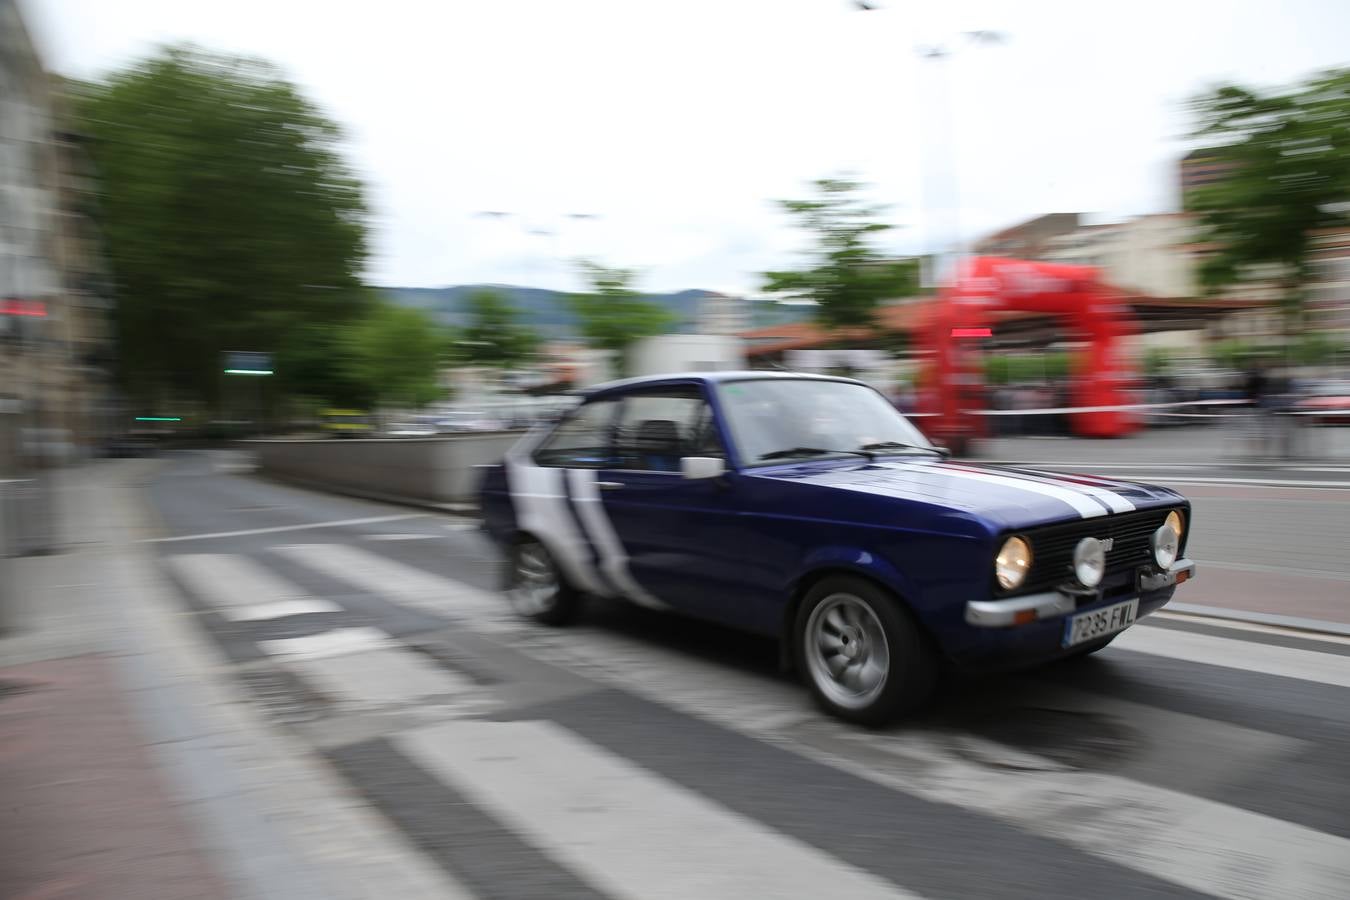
256,612
1245,482
228,581
624,829
1210,847
401,537
393,580
1333,632
1286,662
338,523
393,675
329,643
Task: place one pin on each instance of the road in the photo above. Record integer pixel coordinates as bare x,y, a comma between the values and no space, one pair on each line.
643,756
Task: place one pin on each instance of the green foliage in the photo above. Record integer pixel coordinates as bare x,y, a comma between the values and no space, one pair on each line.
394,355
1001,368
613,316
1289,153
1156,361
1316,348
495,335
845,275
230,220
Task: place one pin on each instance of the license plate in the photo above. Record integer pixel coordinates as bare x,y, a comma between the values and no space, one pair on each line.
1089,626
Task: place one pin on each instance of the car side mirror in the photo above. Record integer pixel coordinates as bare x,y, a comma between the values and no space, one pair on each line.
702,467
943,451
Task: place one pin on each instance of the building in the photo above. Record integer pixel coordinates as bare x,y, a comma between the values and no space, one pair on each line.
54,334
1144,255
722,314
1200,168
1027,240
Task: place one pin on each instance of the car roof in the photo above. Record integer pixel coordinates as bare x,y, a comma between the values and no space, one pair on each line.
678,378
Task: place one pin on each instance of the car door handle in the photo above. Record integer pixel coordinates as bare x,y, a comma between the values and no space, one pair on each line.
609,485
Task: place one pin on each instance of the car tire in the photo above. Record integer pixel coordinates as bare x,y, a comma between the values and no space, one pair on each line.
864,657
537,588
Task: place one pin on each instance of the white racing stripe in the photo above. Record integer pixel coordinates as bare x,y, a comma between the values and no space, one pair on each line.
613,560
1286,662
1117,502
1082,504
625,830
388,578
541,510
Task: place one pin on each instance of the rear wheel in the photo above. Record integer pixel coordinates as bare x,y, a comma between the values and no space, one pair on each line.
864,656
536,587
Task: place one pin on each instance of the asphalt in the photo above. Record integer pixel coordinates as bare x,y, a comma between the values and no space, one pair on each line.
1154,769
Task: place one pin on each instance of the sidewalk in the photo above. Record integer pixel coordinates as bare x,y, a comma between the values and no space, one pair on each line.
1218,445
130,768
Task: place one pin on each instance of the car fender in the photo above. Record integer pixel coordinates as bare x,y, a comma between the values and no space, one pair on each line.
867,563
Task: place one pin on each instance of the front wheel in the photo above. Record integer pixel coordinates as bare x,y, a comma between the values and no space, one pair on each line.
865,658
536,587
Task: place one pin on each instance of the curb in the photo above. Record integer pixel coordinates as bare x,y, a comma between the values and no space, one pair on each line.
1293,623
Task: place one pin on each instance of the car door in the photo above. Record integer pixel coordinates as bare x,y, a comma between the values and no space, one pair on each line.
667,534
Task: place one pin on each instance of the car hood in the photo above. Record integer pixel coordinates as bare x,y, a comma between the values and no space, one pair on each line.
1007,497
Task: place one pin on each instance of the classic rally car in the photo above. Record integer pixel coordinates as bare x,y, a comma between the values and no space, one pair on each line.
807,508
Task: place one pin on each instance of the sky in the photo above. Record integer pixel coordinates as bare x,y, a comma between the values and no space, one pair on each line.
671,126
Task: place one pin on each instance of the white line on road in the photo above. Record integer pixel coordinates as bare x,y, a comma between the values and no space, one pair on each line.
626,830
227,580
329,643
394,580
339,523
402,537
394,675
257,612
1286,662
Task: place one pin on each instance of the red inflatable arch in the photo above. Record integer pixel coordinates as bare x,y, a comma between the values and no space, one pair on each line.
951,380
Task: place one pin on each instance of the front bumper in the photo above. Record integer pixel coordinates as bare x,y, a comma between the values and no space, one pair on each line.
1052,604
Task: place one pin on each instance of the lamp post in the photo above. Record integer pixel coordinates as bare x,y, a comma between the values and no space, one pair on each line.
937,54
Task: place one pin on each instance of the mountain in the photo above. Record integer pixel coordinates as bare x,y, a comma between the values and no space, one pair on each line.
548,312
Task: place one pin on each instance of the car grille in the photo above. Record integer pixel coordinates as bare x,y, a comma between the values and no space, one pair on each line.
1052,546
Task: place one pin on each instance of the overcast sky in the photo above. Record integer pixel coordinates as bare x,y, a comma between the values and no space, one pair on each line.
678,121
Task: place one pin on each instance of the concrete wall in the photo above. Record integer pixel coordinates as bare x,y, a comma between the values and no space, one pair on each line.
431,470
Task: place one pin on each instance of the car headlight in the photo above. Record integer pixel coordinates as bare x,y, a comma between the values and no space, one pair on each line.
1166,541
1012,563
1089,562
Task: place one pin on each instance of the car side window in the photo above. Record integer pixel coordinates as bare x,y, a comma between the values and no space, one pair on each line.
654,429
582,440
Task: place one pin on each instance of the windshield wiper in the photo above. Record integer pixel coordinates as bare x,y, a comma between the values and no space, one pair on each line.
814,451
898,445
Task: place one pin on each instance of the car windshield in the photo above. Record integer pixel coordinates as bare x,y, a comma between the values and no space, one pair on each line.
775,419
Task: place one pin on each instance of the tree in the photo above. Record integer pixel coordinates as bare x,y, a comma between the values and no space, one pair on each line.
495,336
613,316
1285,157
395,354
845,276
230,221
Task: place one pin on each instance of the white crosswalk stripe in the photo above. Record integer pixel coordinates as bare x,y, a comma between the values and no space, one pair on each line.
396,581
633,833
624,829
1287,662
382,677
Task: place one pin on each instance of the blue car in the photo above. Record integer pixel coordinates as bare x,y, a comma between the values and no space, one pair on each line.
808,509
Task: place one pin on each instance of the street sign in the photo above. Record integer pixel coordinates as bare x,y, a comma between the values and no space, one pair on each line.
247,362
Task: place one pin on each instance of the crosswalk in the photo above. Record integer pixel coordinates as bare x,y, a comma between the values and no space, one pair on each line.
674,774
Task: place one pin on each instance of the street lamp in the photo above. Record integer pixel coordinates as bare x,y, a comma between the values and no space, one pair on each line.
937,53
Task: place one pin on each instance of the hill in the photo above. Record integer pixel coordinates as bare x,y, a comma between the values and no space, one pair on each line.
544,310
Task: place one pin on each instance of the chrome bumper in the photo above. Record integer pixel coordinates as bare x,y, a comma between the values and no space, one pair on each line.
1049,604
